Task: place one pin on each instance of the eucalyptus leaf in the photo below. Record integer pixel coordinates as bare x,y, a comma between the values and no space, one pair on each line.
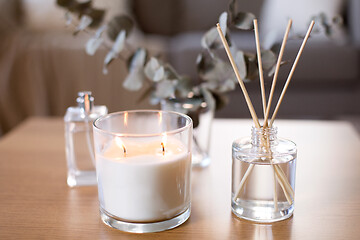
95,41
115,50
137,60
97,16
227,85
268,58
223,22
85,21
208,98
68,18
273,68
252,70
119,43
220,72
81,7
92,45
205,65
183,87
232,8
170,72
117,24
165,88
134,80
211,39
153,70
240,63
244,20
136,77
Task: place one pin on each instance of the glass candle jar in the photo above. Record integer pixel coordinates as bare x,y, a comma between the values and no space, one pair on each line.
263,176
143,166
202,115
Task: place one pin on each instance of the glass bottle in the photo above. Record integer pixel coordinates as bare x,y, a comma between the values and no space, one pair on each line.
263,176
202,116
79,140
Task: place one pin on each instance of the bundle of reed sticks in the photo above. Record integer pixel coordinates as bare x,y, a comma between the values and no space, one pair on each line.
279,174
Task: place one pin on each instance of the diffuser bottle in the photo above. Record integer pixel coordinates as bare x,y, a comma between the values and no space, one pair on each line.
79,140
263,176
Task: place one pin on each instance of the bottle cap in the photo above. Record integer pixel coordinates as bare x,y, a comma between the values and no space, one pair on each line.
85,101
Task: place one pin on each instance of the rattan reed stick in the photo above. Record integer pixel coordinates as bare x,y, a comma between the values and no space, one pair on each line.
278,63
291,72
236,70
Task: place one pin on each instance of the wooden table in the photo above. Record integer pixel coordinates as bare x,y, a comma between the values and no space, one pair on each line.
36,203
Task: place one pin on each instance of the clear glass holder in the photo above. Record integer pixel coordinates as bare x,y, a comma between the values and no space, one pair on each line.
143,167
263,177
202,116
116,223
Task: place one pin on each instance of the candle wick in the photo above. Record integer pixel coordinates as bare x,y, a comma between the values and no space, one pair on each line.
163,148
124,150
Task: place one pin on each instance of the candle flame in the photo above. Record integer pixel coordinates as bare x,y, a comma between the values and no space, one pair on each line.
120,144
126,115
163,143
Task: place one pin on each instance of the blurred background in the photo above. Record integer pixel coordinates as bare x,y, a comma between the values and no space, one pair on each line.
43,66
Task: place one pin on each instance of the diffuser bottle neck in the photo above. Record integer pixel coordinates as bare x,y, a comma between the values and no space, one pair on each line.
264,137
85,102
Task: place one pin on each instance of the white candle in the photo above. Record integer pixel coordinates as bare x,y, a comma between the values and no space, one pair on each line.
144,184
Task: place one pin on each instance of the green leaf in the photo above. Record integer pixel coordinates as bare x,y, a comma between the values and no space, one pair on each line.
97,16
137,60
211,39
117,24
203,64
223,22
183,87
170,72
268,58
134,80
85,21
252,69
115,50
208,98
95,41
232,9
239,59
136,77
82,7
154,70
218,74
165,89
92,45
244,20
273,68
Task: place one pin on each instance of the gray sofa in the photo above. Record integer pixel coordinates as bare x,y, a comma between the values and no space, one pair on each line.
326,83
41,71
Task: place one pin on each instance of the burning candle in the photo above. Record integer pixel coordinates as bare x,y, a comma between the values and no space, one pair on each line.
144,178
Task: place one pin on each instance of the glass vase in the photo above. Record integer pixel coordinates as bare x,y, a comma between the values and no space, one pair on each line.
202,116
263,176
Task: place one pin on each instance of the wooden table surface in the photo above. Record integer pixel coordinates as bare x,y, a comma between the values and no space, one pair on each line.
36,203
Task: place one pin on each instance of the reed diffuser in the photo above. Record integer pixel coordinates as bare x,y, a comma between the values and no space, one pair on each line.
263,171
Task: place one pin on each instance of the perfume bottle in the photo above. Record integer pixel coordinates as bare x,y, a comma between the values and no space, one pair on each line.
263,176
79,140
